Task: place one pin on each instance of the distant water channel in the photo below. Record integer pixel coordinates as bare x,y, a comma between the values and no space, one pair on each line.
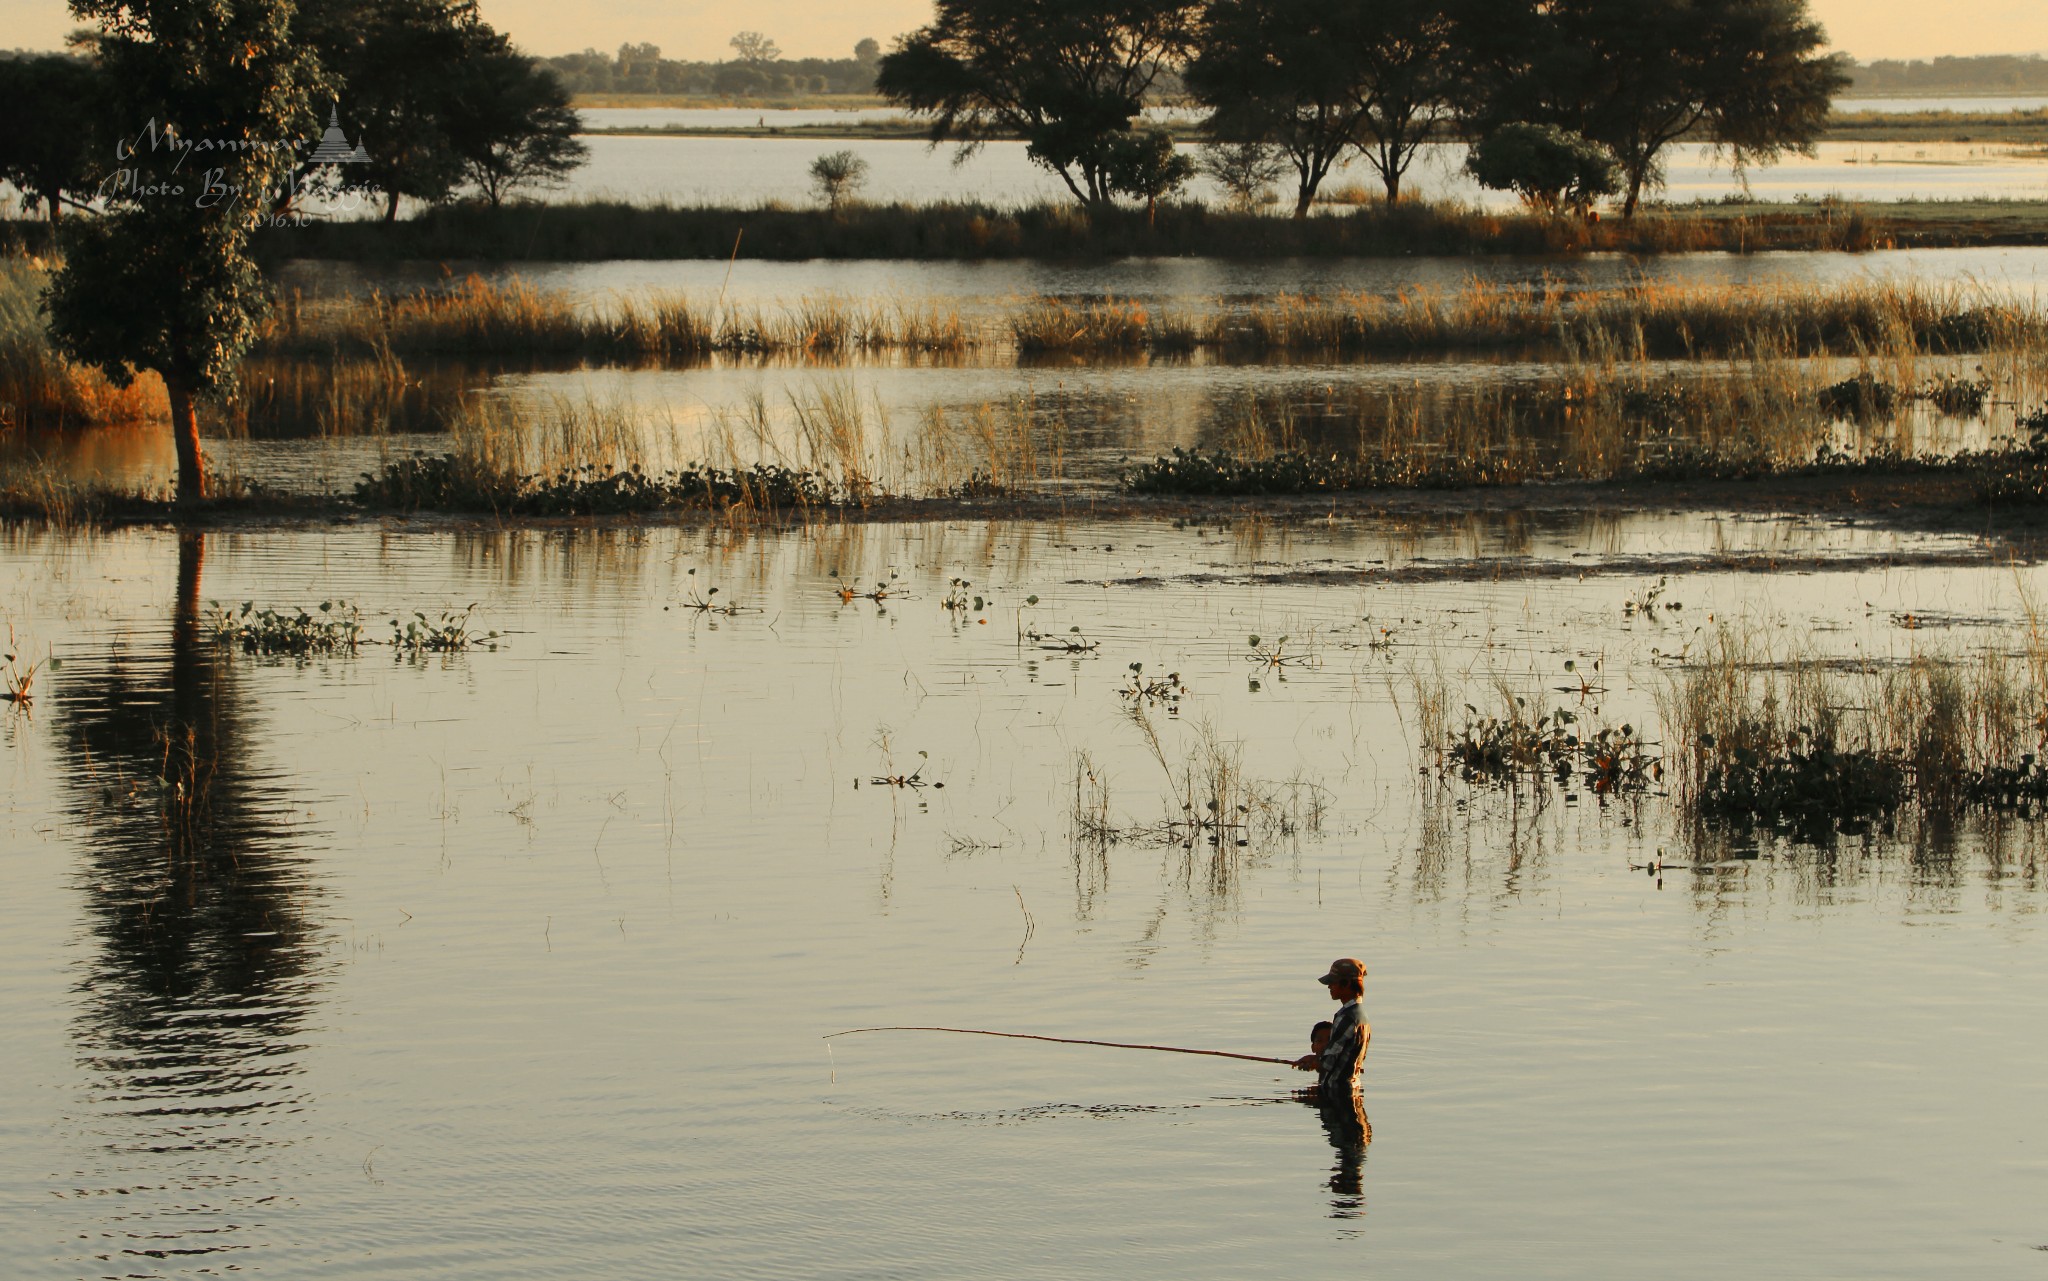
515,963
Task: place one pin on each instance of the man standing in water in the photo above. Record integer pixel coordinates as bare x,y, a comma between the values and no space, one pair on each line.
1337,1067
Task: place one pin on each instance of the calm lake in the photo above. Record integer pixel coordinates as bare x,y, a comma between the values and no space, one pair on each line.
515,962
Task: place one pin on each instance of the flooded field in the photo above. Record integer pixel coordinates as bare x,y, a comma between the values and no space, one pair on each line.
514,960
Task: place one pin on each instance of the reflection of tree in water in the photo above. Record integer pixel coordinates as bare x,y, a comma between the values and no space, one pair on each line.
197,985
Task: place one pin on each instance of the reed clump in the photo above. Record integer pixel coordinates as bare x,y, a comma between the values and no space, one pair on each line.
1811,748
1648,320
510,318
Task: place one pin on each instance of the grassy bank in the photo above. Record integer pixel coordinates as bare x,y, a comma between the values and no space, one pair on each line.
595,230
482,319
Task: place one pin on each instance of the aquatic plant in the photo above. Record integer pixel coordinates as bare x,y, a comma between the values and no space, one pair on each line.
1190,472
1810,749
1516,746
1648,600
959,599
18,679
336,627
451,482
914,780
1072,643
1275,655
447,634
1140,690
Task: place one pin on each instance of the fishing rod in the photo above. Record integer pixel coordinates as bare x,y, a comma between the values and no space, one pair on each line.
1069,1040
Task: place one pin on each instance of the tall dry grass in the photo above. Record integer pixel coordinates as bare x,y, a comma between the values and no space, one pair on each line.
39,389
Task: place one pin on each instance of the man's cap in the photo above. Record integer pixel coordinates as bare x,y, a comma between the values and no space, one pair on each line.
1345,969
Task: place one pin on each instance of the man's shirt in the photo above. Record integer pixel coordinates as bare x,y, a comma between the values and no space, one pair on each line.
1337,1069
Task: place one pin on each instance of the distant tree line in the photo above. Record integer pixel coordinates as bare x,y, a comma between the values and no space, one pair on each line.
757,69
1304,85
1989,74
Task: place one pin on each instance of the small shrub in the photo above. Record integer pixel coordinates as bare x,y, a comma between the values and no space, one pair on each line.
1551,169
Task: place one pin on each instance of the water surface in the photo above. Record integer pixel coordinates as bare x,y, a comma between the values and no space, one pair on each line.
514,963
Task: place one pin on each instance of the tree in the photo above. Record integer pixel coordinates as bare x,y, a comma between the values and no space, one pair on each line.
1245,170
392,61
1551,169
837,175
164,282
1412,67
1144,165
512,126
754,48
1281,72
1067,75
867,52
59,149
1639,75
1320,79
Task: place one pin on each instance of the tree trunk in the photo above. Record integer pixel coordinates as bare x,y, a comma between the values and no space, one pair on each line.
1635,194
1393,180
391,207
55,199
1304,196
185,436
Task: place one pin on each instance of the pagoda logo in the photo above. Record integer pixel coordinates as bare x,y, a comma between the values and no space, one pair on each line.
334,148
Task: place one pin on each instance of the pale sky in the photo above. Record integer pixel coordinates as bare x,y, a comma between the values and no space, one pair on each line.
822,28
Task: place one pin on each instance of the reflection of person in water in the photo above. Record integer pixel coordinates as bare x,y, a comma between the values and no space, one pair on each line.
1339,1056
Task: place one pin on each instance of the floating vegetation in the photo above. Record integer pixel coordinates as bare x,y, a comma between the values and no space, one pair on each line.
1072,643
707,603
450,482
879,593
1862,398
1143,691
1512,747
1276,656
1219,473
914,780
959,598
447,634
1649,600
1868,398
335,627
